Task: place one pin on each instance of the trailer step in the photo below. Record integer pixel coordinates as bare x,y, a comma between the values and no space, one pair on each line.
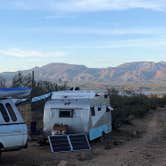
72,142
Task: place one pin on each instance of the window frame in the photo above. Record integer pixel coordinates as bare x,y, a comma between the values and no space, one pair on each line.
92,110
4,113
70,111
11,112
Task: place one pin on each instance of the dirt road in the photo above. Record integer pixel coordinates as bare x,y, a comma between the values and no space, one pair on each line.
140,144
150,150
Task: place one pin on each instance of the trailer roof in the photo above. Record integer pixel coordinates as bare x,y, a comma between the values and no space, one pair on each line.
80,94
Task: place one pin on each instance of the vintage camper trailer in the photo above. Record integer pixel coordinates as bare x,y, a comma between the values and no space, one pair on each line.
13,130
79,111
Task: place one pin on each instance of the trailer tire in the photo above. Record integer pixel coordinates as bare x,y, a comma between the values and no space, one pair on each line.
102,138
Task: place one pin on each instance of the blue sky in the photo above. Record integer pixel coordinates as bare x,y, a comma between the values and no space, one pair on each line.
96,33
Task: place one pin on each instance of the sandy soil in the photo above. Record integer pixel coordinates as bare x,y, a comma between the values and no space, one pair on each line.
140,144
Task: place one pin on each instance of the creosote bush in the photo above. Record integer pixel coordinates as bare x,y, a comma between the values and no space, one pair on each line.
130,105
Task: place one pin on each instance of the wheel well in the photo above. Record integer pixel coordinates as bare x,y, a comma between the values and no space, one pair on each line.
103,133
1,146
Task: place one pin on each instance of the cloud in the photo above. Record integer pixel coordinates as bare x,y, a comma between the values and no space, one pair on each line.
150,43
113,31
20,53
83,5
141,43
107,5
99,31
59,16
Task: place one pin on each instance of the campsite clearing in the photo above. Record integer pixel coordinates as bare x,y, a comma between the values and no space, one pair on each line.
140,144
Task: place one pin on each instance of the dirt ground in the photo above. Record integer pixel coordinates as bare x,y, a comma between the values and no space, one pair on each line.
142,143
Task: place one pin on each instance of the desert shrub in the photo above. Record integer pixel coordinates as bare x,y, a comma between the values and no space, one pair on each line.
162,101
156,101
127,107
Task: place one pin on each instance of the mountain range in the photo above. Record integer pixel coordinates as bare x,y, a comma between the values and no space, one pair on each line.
128,73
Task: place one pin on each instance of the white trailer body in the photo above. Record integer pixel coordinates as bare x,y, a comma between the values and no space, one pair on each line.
82,111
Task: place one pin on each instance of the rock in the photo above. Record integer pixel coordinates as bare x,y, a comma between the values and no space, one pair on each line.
85,156
134,134
117,142
107,146
62,163
96,151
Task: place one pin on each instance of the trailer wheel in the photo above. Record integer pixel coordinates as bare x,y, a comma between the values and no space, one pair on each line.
102,138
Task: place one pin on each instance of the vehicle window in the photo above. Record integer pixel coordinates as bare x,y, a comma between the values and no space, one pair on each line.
66,113
4,113
11,112
92,109
105,96
99,108
107,109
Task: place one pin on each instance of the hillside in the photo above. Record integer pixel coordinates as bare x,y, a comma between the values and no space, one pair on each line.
133,73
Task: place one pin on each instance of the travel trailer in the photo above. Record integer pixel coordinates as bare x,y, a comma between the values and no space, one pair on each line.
13,130
75,112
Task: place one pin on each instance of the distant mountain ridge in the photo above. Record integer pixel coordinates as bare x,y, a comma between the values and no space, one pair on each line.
134,72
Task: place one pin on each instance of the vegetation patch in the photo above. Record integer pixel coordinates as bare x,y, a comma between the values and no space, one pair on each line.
131,106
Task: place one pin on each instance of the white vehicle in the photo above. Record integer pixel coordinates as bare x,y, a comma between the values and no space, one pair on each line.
13,130
80,111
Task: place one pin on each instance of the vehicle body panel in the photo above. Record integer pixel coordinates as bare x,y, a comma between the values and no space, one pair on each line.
13,133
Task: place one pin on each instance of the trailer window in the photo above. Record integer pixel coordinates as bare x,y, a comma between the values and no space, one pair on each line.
11,112
4,113
99,108
92,109
66,113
